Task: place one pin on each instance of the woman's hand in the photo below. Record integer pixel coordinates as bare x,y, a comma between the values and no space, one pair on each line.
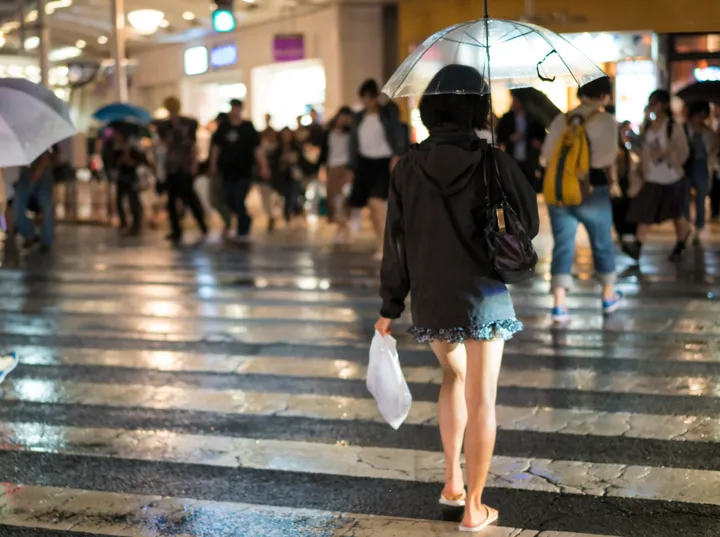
383,326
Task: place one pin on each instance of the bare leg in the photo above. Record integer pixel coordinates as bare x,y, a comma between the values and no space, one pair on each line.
682,229
483,368
378,214
559,296
642,232
452,413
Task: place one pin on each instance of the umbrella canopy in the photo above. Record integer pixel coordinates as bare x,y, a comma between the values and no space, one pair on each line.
122,112
518,53
537,104
32,119
701,91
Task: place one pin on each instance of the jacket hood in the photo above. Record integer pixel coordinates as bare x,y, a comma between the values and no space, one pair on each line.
449,159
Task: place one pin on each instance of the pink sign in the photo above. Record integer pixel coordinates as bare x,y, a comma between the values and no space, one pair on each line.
289,47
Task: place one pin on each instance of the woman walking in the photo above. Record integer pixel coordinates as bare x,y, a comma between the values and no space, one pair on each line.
463,310
335,157
664,194
286,174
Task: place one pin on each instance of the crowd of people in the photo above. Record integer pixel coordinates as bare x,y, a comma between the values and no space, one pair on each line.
351,157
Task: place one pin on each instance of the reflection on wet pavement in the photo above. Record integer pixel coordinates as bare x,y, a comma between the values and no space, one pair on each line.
216,391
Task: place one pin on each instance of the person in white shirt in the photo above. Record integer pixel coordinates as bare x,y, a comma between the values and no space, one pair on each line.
376,143
595,213
663,197
334,158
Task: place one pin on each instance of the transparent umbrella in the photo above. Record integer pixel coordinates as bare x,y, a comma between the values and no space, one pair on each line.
517,53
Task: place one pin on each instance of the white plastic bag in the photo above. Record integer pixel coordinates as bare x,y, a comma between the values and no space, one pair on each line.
386,382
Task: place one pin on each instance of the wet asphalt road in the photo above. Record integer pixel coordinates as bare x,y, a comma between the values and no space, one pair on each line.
213,391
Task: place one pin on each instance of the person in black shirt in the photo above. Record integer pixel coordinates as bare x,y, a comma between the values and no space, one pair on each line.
235,151
179,135
127,159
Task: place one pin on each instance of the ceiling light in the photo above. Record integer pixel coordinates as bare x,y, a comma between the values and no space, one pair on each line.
188,16
102,39
80,43
64,53
32,16
146,21
32,42
249,1
164,23
2,40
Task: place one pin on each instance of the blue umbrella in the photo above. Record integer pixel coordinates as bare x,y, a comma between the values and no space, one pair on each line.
122,112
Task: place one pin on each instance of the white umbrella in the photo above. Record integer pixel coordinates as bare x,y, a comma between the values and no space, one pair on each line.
32,119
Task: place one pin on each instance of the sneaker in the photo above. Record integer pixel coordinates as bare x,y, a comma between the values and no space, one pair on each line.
561,315
612,305
7,364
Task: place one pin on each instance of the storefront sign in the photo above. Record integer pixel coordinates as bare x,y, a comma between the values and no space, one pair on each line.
223,55
289,47
707,74
196,60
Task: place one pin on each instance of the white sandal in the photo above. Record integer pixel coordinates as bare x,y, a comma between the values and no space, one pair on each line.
491,519
457,501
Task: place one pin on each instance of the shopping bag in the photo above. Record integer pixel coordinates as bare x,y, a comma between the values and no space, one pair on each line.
386,382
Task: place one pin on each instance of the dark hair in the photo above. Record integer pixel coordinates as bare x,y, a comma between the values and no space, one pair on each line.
663,97
369,88
597,89
345,111
610,109
237,102
222,117
456,95
697,108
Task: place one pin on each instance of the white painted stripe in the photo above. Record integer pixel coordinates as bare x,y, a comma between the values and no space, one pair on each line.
566,421
537,378
567,477
135,515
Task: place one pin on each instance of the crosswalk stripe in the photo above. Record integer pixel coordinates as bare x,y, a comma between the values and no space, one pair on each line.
567,421
136,515
567,477
538,378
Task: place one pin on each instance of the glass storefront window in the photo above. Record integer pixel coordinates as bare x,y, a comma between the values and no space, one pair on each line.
687,44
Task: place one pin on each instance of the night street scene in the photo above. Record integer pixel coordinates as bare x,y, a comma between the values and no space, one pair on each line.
359,268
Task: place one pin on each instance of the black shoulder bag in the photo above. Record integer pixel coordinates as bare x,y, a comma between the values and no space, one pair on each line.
507,245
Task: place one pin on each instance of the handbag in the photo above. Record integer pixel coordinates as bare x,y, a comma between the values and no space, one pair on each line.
508,247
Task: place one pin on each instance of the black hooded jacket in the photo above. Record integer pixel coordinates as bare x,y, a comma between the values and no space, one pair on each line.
423,255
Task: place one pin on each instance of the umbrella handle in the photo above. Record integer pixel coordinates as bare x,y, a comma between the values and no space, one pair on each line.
537,67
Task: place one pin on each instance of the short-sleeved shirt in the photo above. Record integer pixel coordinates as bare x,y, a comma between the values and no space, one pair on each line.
179,138
237,144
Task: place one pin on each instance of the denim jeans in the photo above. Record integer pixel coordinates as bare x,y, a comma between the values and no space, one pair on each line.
701,184
596,215
236,192
42,190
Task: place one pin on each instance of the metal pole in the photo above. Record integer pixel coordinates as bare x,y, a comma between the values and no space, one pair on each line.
529,10
118,20
44,46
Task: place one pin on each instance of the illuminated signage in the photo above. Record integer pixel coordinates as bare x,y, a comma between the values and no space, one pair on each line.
707,74
196,60
223,55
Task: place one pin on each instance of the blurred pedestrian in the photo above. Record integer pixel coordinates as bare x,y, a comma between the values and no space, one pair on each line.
35,187
459,307
127,160
235,152
217,193
595,211
335,157
663,197
625,169
376,143
179,136
700,165
522,136
287,174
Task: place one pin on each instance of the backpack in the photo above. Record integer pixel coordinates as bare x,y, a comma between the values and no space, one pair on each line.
567,178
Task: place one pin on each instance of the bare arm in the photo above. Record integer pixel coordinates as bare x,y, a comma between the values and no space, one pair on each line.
214,154
40,167
262,163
